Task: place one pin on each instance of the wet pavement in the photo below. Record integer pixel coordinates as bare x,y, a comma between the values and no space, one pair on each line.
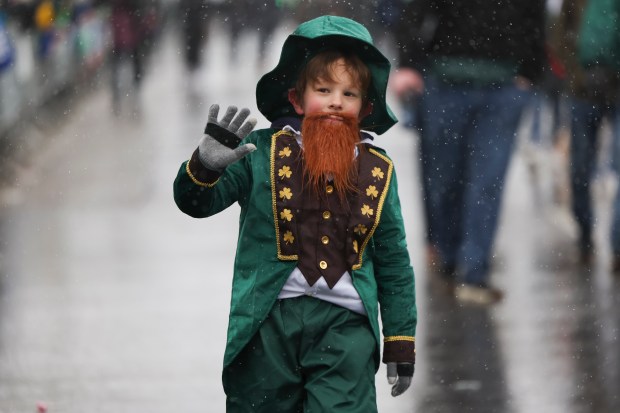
112,300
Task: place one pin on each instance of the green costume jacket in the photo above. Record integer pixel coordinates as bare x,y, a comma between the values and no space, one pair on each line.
264,185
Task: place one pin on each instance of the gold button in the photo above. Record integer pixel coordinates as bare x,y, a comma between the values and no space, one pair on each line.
327,215
329,189
325,239
323,265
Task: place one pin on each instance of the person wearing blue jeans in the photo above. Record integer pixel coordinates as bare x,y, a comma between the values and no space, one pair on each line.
465,159
598,49
589,49
472,64
586,121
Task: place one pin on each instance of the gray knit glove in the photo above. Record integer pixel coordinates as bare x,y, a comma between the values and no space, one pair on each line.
219,147
400,375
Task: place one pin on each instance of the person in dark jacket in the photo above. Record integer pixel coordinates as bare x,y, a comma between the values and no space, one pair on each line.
472,64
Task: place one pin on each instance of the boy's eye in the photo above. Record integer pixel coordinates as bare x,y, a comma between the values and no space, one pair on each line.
351,94
323,89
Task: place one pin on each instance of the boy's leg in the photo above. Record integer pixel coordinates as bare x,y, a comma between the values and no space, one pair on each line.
308,356
337,359
265,377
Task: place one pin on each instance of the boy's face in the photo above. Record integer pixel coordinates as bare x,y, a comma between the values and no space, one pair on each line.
340,96
332,109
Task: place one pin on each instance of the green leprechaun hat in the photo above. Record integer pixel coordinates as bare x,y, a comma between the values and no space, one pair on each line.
308,39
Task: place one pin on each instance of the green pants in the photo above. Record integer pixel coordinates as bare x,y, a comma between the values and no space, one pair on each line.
308,356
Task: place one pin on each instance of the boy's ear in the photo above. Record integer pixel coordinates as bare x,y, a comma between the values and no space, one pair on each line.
293,98
366,110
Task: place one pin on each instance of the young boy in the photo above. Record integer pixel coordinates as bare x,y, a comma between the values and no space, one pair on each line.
321,240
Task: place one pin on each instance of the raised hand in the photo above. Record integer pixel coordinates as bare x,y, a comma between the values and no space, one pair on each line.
219,146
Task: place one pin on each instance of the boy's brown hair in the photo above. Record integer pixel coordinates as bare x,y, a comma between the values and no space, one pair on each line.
321,66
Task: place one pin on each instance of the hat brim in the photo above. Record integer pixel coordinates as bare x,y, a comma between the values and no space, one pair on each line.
272,89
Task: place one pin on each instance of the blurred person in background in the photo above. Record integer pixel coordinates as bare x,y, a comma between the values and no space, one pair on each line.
549,117
241,16
472,65
193,14
44,16
546,138
22,11
591,92
593,37
133,24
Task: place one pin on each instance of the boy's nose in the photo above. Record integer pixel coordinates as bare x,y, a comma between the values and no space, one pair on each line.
336,102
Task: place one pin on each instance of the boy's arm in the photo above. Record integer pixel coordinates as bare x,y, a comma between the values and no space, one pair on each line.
396,292
219,147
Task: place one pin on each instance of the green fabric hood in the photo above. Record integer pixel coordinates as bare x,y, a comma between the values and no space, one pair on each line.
308,39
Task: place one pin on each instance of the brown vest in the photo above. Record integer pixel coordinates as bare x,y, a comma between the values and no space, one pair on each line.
324,237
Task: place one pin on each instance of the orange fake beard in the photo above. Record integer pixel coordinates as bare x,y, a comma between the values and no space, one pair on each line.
329,152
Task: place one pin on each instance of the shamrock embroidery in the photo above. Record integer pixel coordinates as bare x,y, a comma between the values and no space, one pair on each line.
285,172
372,192
286,193
360,229
367,210
288,237
377,172
285,152
286,214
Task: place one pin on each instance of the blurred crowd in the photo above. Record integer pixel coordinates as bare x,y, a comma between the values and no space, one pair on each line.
468,72
47,46
465,74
